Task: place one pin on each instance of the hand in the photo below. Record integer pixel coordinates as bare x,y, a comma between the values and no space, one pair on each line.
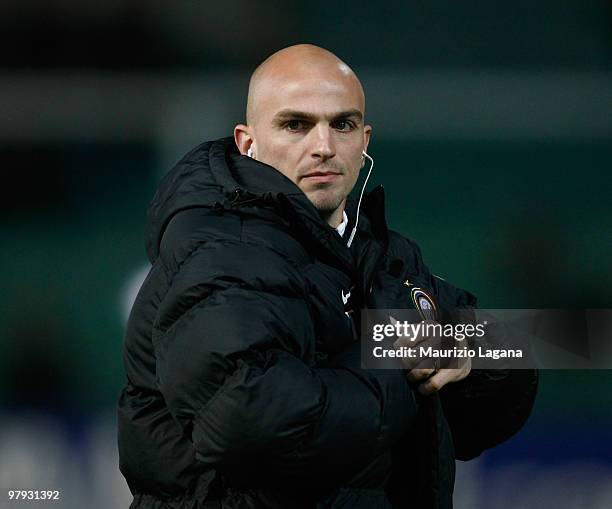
431,380
435,380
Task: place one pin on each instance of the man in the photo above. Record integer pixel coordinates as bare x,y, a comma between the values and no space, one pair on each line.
244,384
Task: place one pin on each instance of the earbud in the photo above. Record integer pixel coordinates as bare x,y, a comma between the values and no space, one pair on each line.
250,152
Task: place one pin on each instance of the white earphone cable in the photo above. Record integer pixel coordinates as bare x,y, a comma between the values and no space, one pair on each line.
350,240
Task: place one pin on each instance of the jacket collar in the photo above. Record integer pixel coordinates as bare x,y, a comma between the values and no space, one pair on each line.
215,174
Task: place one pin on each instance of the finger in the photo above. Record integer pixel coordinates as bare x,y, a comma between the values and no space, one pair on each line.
420,341
407,361
412,341
410,363
417,375
401,342
436,382
419,363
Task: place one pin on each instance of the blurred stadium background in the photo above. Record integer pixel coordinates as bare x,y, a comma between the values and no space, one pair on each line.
492,135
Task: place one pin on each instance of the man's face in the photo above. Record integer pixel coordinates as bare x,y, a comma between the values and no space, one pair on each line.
311,129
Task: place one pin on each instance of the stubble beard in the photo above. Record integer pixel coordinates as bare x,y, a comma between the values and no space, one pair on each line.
328,198
327,201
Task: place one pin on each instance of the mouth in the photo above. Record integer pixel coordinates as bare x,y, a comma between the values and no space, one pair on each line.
321,177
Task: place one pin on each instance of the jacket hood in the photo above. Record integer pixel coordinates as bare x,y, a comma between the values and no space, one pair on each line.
215,174
210,175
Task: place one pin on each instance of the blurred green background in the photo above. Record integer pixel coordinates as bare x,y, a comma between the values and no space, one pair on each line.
492,136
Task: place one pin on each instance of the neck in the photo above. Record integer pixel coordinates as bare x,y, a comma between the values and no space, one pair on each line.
334,217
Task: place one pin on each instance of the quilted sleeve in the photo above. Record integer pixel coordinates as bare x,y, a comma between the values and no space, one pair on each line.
234,346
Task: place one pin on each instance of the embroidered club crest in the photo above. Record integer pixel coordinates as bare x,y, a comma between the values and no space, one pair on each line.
423,303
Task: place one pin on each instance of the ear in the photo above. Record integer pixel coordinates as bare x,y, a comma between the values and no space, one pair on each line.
243,138
367,132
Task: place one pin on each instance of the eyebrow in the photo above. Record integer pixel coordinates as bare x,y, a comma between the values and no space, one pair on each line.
302,115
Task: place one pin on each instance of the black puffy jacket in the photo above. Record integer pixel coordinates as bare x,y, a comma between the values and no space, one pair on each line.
244,386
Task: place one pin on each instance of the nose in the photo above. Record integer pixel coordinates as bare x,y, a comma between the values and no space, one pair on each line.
323,146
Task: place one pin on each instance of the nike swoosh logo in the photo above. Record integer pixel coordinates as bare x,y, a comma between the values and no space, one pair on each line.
346,297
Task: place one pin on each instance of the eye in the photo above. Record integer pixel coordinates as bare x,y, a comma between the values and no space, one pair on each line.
295,125
343,125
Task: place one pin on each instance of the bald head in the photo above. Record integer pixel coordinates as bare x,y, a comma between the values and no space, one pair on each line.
294,65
